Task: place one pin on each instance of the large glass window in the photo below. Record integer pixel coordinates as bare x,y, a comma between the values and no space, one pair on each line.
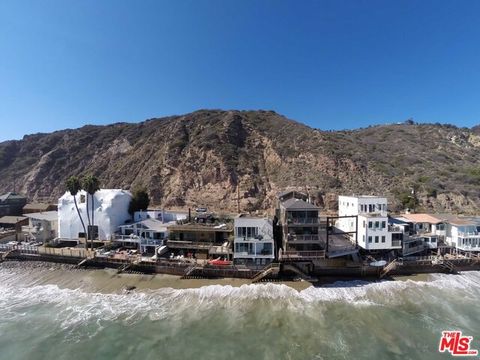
376,239
246,232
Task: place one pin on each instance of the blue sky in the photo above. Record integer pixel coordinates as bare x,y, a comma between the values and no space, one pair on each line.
330,64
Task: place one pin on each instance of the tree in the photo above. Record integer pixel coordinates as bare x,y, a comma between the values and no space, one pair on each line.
91,185
73,186
140,200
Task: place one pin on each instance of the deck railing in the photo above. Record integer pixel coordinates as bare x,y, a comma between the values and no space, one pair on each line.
299,255
301,238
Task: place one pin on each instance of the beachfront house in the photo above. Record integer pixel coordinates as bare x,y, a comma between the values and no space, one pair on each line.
253,241
299,220
423,232
463,233
202,241
372,227
146,235
42,226
110,211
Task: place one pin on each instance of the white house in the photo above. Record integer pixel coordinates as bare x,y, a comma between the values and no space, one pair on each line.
42,226
110,211
253,241
463,233
146,234
373,231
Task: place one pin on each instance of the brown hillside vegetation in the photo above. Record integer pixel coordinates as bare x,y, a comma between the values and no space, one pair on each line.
200,158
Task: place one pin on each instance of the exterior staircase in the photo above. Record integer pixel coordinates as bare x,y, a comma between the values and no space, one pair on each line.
449,266
189,271
123,268
389,267
295,269
271,269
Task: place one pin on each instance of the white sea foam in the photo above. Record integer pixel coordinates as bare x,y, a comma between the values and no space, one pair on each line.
74,307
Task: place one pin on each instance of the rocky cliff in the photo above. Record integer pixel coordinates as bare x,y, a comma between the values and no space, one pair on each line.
207,157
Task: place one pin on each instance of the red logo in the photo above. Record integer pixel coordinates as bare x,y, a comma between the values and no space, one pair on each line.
456,344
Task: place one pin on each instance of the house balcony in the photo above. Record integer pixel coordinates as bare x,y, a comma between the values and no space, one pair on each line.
302,221
412,250
470,234
396,243
313,238
469,247
151,242
395,229
260,254
252,240
196,245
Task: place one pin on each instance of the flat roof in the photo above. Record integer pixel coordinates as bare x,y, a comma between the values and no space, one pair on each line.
363,196
458,220
12,219
45,215
198,227
38,206
422,218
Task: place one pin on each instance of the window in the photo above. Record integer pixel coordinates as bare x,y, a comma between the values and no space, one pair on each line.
370,208
383,239
363,238
247,232
369,239
433,240
384,224
376,239
377,224
364,223
370,224
82,199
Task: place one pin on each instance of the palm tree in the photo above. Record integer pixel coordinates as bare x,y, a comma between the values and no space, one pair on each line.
91,185
73,186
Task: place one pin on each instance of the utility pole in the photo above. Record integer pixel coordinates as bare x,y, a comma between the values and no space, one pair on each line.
238,197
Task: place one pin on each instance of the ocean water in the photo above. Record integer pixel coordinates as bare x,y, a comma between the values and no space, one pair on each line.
346,320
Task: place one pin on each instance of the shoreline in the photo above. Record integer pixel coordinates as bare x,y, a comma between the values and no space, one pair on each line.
107,281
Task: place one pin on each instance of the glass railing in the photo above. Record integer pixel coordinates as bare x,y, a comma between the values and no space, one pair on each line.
295,221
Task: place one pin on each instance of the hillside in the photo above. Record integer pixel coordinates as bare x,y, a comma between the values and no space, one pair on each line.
200,158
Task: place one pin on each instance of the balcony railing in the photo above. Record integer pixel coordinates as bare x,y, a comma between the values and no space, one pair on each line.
298,255
468,233
393,228
300,238
412,250
396,243
301,221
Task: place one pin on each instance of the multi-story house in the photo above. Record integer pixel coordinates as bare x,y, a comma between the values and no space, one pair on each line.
42,226
200,240
463,233
147,235
373,232
253,241
300,224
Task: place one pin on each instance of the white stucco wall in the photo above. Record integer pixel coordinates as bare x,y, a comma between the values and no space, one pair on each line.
110,211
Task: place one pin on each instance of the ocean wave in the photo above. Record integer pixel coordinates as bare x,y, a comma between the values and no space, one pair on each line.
76,307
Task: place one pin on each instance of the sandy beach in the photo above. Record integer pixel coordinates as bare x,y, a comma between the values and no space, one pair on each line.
108,281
